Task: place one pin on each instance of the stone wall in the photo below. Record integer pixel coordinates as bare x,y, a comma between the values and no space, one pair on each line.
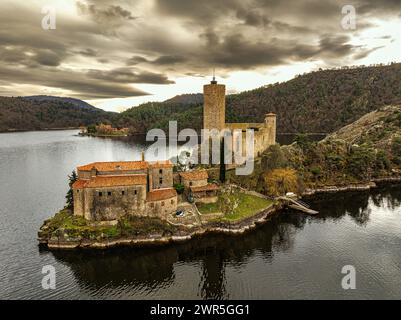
214,110
195,183
112,204
160,209
166,176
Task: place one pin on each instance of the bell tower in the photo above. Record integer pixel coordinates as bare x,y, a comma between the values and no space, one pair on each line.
214,109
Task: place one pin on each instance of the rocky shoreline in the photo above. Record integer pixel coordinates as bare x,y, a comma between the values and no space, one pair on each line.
374,183
234,228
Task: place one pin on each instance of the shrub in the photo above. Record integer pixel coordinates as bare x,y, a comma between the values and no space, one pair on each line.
316,171
361,162
179,187
280,181
274,158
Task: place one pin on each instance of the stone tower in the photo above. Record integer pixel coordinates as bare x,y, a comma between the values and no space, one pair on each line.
214,109
270,124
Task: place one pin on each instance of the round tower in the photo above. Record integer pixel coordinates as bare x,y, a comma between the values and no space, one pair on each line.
214,109
270,124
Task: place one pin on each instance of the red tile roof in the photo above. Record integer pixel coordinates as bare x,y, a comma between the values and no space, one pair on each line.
195,175
161,194
115,166
111,181
209,187
125,165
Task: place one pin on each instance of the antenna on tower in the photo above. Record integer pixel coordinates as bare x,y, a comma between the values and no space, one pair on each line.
214,77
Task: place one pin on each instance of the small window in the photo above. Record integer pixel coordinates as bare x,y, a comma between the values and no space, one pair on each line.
109,193
162,203
152,205
77,191
136,191
100,194
172,201
190,183
161,180
161,171
123,193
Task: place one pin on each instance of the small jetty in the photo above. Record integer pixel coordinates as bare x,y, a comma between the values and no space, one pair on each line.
297,204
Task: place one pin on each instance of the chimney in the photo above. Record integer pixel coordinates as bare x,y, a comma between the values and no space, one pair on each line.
143,155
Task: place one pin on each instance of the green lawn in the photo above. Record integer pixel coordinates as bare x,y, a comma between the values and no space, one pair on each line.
208,208
248,205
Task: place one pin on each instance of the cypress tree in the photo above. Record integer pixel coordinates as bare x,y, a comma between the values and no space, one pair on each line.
222,163
70,197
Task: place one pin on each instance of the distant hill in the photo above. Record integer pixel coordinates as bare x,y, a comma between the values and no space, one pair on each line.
321,101
194,98
76,102
45,112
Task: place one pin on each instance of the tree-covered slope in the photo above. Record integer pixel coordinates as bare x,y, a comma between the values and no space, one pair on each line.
17,113
321,101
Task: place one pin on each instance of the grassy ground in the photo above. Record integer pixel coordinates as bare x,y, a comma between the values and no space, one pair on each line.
207,208
248,205
77,227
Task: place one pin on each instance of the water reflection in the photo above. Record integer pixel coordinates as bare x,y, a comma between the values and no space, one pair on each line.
154,267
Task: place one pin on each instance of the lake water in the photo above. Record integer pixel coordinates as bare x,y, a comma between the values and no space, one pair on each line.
291,256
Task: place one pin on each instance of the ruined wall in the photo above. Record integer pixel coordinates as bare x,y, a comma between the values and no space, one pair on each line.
264,134
271,126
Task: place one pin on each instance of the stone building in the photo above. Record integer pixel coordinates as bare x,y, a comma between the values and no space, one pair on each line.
196,186
214,118
110,190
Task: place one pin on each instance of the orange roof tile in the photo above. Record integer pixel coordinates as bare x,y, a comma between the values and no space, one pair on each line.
161,194
195,175
111,181
115,166
79,184
209,187
161,164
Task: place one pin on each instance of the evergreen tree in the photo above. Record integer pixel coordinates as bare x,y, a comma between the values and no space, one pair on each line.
222,163
69,197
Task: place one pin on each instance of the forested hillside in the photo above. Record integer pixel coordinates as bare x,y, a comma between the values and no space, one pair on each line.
317,102
321,101
17,113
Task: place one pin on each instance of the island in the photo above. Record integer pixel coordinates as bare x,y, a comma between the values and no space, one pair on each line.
103,130
155,202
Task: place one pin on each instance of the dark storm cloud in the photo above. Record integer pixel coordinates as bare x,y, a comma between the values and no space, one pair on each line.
335,46
369,6
88,52
81,85
134,60
101,49
104,14
168,60
129,75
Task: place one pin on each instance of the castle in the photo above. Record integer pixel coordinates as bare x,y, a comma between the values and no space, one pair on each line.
214,115
106,191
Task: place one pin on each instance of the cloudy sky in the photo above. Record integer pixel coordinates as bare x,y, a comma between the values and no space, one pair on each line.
118,54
